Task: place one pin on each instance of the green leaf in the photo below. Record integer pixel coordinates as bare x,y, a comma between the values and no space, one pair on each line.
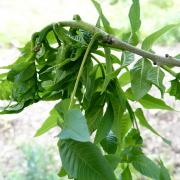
114,58
125,78
56,117
49,123
62,172
146,167
104,20
105,124
142,120
133,138
94,112
75,126
127,58
63,106
109,77
149,102
5,90
109,143
126,174
134,17
155,76
128,154
118,101
109,66
16,108
164,174
113,160
21,72
83,160
149,41
139,83
109,69
174,89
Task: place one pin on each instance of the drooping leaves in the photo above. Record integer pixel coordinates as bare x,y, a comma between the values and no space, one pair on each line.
83,160
48,70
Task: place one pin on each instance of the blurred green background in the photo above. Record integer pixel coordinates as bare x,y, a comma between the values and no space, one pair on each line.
22,156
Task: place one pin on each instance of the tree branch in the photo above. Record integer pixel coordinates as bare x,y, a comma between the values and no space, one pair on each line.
111,41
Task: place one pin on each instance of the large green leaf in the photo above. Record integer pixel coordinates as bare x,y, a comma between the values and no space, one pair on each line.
175,88
149,41
75,126
105,124
104,20
146,166
155,76
126,174
83,160
142,120
139,83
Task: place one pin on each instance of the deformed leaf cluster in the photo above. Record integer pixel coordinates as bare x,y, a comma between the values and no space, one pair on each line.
102,104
